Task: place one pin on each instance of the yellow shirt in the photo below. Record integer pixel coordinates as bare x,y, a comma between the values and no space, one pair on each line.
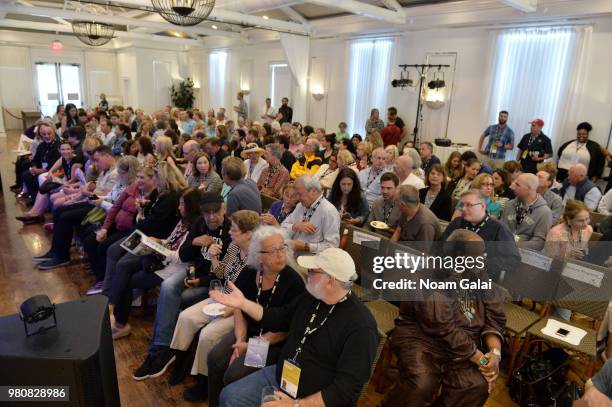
311,164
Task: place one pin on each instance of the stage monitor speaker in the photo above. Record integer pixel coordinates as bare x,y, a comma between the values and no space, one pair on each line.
78,353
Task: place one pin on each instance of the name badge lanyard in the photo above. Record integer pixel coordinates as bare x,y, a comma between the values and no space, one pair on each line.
271,293
370,181
387,214
310,211
309,331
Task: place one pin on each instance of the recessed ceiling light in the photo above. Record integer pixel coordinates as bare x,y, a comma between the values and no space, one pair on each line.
214,27
265,17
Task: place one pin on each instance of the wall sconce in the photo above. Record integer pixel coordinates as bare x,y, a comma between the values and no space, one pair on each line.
317,92
245,91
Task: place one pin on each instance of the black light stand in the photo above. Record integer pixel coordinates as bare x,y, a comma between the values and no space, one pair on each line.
422,69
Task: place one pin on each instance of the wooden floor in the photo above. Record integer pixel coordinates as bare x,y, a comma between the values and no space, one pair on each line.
19,280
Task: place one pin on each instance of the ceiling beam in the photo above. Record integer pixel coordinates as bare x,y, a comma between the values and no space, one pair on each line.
119,34
109,19
528,6
394,5
235,17
364,9
28,4
295,16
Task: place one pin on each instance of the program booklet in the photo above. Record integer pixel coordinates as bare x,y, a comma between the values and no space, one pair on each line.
140,244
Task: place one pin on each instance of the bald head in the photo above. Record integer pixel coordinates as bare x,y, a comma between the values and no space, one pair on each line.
577,173
403,166
525,187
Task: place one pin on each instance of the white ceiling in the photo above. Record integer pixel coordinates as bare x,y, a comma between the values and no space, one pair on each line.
240,20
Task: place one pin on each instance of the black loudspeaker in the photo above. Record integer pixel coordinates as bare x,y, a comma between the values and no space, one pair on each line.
77,353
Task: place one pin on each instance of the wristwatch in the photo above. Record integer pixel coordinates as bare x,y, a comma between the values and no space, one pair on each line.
483,361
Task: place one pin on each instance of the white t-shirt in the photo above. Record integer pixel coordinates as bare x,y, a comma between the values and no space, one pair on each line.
413,180
574,153
269,111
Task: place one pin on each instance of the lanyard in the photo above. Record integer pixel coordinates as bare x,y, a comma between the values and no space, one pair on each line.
309,331
579,146
477,228
311,211
370,181
271,293
387,214
271,173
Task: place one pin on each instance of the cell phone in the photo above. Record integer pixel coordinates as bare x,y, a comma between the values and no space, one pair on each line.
93,197
562,332
190,271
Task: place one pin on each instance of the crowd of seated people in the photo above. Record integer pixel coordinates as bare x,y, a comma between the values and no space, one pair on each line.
193,182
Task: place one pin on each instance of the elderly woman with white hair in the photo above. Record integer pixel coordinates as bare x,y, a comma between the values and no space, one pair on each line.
270,282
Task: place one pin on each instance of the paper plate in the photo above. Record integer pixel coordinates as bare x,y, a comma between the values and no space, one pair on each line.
379,225
214,309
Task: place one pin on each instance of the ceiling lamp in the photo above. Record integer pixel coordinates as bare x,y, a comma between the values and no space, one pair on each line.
93,33
184,12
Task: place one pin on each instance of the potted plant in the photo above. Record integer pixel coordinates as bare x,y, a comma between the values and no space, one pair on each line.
182,96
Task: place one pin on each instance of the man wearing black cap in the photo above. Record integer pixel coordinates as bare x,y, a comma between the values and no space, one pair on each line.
179,291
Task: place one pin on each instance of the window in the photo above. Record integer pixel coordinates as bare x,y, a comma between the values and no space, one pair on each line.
217,62
531,73
370,62
58,84
280,83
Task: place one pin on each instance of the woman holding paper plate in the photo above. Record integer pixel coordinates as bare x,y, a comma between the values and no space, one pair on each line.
153,269
208,315
267,281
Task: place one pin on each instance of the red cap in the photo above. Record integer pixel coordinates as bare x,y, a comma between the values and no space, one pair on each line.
538,122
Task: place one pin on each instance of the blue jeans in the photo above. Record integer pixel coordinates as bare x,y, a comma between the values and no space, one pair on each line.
173,296
246,392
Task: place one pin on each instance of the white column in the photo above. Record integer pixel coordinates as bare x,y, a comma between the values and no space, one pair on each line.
2,132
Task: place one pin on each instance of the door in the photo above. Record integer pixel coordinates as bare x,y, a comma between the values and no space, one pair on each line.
58,84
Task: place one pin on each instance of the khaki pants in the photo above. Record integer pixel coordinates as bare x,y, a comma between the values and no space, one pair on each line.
189,322
493,163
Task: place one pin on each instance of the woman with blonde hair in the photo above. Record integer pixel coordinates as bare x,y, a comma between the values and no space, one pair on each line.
570,237
165,150
296,146
169,178
453,168
145,128
346,160
392,154
364,152
484,183
376,139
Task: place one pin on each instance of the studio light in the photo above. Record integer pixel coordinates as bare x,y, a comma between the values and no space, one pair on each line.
436,84
403,81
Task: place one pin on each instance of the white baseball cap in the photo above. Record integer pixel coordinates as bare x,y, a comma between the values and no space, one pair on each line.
333,261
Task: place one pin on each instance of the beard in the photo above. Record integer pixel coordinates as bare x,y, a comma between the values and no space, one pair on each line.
314,289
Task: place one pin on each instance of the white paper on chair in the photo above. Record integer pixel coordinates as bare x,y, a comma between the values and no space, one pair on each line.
573,337
535,259
360,237
583,274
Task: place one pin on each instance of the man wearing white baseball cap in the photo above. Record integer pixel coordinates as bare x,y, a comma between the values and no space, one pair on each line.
330,347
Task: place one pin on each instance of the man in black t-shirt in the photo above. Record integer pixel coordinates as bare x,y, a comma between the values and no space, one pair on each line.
178,291
534,147
332,340
285,111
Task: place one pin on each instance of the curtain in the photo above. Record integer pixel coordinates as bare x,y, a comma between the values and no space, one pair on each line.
533,70
297,51
217,72
369,66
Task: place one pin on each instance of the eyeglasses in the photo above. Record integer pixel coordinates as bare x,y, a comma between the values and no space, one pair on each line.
469,205
275,251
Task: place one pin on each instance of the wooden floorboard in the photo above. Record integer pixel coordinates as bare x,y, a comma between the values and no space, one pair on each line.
19,280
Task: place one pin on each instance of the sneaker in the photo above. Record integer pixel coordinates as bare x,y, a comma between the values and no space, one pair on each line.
53,264
120,332
95,289
155,365
45,257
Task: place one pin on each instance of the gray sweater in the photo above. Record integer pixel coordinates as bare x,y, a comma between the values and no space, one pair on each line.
555,203
534,227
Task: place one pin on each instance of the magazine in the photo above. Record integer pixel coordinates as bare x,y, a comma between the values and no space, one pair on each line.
140,244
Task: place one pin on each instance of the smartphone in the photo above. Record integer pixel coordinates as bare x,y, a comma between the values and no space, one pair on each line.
94,197
562,332
190,272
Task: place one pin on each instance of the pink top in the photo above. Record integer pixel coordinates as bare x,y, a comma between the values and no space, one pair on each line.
559,242
296,148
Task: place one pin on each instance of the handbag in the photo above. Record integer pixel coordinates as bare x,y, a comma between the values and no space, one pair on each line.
540,379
